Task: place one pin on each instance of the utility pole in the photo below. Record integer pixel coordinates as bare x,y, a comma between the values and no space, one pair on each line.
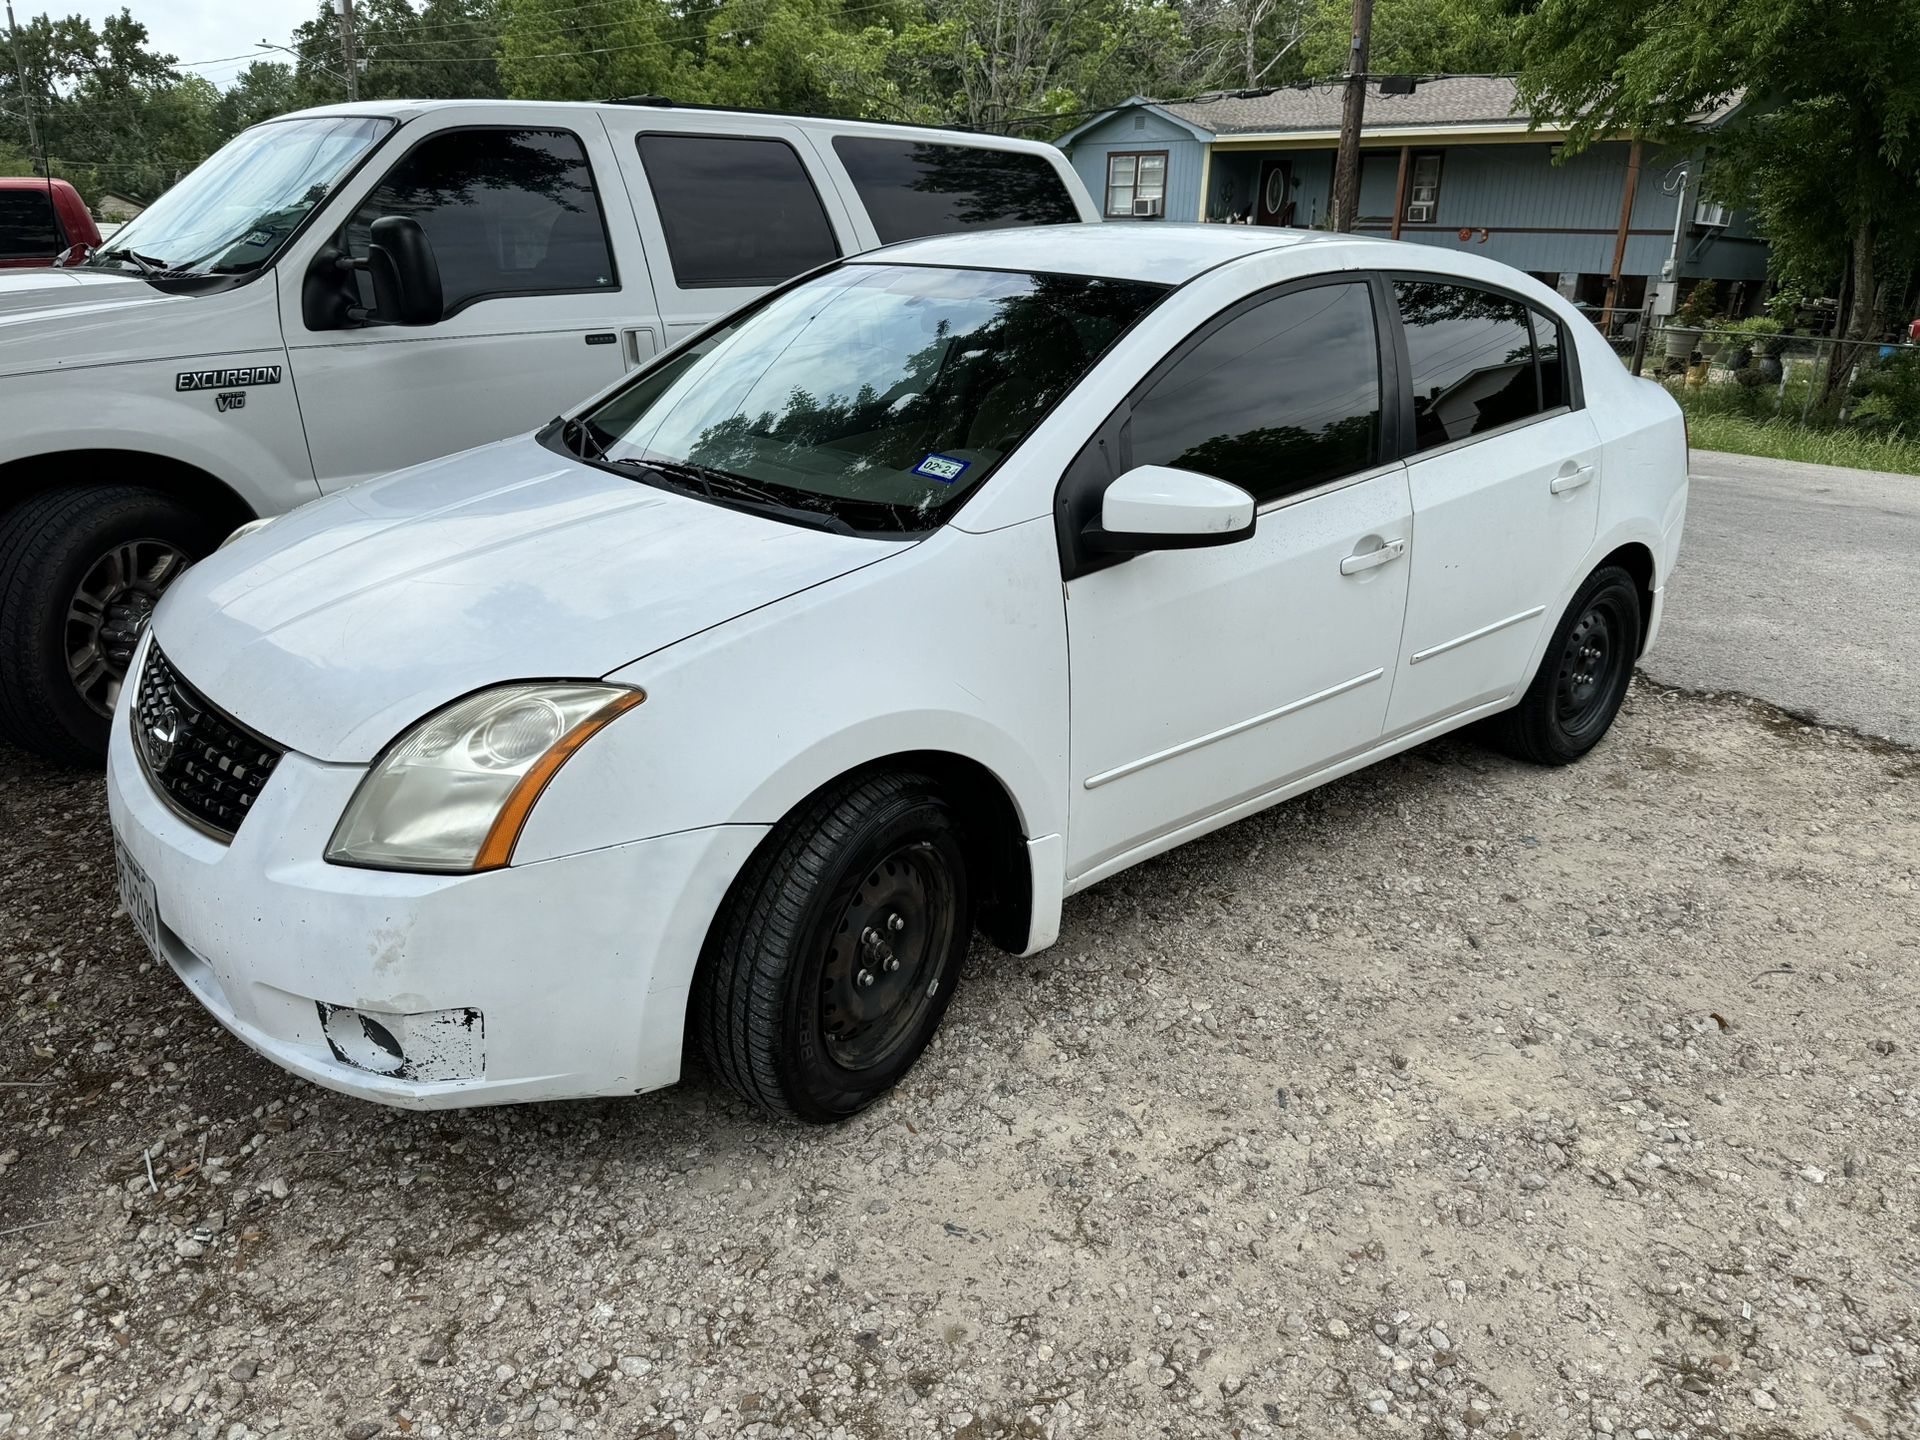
20,70
352,66
1346,166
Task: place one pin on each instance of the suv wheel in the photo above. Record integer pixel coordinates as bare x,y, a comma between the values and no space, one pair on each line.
1583,677
839,949
81,569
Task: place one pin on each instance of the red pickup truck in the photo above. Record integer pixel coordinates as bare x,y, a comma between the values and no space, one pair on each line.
42,222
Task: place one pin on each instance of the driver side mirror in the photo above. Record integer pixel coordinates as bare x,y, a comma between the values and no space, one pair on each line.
1156,507
406,277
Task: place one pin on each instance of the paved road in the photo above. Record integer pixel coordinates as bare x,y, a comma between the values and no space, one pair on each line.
1799,585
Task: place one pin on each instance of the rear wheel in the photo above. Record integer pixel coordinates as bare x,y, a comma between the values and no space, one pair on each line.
839,950
81,569
1583,677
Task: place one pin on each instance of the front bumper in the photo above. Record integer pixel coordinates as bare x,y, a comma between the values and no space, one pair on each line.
563,978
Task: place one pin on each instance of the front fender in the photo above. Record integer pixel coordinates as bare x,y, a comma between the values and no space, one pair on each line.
958,646
258,451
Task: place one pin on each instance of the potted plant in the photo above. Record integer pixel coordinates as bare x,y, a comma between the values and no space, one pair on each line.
1761,333
1683,331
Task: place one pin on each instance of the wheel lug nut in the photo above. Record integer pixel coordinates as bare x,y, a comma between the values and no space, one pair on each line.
865,977
896,922
893,963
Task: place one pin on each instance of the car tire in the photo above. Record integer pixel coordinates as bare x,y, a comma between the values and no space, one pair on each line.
839,949
1583,676
60,553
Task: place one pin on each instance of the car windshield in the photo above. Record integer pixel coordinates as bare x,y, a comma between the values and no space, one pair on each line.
232,215
873,396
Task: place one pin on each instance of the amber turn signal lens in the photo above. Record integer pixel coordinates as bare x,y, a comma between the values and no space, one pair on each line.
497,849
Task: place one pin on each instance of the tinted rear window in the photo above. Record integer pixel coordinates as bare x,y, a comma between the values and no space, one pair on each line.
1472,357
27,231
736,211
913,188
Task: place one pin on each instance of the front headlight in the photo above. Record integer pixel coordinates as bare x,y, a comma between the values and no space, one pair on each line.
453,792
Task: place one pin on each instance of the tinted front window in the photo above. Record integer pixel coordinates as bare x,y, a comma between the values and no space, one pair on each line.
1472,361
913,188
1279,399
27,230
878,394
735,211
508,212
1553,368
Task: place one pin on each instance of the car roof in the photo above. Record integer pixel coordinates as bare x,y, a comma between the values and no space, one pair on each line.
1166,254
404,110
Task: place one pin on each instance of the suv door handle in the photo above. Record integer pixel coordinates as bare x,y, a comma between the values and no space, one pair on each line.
1571,479
1367,559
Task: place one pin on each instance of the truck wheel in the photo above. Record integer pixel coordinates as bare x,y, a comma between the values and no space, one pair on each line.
1582,679
81,568
839,949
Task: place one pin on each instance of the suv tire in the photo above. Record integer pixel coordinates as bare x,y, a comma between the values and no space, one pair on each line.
81,567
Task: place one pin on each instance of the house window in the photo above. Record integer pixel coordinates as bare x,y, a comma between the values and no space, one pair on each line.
1137,183
1423,189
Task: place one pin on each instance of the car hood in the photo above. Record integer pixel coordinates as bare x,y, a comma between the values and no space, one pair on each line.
61,319
343,622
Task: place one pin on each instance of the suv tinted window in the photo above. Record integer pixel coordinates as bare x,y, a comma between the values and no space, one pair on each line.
913,188
736,211
1279,399
1472,360
27,230
508,212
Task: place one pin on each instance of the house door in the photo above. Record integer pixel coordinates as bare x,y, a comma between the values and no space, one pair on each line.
1274,205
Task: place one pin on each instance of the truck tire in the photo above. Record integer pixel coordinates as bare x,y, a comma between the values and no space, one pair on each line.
838,951
81,568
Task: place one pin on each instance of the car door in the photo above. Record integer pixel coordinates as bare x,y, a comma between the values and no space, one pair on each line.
1503,465
725,212
543,277
1204,679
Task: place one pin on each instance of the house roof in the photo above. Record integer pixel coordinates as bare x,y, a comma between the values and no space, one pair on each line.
1477,102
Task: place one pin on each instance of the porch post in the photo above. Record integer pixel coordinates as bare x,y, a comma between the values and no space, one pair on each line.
1206,179
1400,190
1620,235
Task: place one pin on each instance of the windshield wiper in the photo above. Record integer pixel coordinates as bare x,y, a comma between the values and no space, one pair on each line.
149,267
716,484
577,435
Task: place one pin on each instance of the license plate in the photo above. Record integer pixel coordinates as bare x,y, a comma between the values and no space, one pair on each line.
136,897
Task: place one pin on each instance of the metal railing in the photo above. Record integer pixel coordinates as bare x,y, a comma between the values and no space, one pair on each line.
1734,371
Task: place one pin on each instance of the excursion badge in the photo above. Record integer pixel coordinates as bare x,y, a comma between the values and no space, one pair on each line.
227,379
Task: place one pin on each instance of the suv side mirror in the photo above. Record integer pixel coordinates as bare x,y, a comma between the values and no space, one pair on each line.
406,277
1156,507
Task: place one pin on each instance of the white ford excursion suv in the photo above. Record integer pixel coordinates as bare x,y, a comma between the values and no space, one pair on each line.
350,290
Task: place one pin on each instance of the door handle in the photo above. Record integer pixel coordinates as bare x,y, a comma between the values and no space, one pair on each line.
1367,559
1571,479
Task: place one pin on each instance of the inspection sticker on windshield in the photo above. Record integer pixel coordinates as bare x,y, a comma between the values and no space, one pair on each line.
943,468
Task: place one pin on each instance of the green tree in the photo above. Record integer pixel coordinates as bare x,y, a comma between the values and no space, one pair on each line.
596,50
1826,150
1416,37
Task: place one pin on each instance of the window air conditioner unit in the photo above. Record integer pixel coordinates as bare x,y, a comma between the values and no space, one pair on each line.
1712,216
1143,207
1420,213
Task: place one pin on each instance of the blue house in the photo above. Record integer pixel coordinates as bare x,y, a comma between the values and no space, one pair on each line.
1452,164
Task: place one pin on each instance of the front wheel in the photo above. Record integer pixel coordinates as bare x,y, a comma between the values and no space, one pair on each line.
81,568
839,949
1583,677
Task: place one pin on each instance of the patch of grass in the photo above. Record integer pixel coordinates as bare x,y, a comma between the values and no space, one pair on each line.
1779,439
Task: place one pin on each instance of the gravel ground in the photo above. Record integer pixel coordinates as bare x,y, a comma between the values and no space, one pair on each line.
1456,1097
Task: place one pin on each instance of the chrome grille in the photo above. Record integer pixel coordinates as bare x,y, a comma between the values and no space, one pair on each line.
208,766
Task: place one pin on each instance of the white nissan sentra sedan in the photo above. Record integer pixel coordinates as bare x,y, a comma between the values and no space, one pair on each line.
922,593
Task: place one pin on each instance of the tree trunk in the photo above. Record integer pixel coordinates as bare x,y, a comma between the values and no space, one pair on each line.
1856,324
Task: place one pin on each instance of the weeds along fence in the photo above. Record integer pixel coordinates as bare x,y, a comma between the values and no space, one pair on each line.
1733,371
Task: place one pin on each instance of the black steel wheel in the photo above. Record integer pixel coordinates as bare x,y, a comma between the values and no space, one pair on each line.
1583,678
838,949
81,569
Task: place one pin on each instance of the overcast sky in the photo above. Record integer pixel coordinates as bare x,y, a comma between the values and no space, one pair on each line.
193,30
